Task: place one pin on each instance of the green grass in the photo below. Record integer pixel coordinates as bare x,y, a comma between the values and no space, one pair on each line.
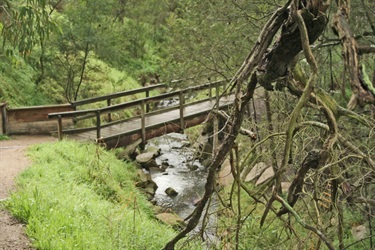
79,196
17,84
4,138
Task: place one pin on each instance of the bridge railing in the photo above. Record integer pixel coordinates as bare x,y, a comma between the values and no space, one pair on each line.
142,104
110,97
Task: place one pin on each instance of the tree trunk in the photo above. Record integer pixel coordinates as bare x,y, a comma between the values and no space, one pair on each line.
361,95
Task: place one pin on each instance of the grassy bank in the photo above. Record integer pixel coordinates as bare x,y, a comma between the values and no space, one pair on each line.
79,196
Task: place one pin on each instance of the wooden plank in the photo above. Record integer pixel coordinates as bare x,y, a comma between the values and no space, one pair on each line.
36,113
35,128
34,120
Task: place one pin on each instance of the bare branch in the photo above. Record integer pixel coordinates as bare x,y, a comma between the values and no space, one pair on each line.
302,223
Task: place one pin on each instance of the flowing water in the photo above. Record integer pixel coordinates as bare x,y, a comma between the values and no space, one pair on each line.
182,173
186,176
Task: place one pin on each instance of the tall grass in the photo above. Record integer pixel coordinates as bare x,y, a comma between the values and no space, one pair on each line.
79,196
17,84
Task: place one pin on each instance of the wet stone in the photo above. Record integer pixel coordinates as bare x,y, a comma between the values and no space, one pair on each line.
156,170
142,176
171,192
146,160
164,165
153,150
130,152
206,163
193,167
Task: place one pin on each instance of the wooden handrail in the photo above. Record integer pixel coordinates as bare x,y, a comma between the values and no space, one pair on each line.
116,95
125,105
142,103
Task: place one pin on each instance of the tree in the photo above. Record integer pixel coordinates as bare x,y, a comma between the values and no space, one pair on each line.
26,24
331,150
211,37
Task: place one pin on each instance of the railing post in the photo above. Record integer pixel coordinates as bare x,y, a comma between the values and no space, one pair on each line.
74,118
182,105
59,127
109,114
143,123
3,107
98,125
147,105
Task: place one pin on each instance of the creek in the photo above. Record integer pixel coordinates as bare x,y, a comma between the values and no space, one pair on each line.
180,171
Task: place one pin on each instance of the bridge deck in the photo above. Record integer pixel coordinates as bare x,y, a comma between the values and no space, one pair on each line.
158,120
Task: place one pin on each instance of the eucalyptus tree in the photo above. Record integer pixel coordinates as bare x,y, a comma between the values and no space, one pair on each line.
62,38
25,24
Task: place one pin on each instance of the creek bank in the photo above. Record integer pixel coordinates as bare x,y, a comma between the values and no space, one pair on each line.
173,174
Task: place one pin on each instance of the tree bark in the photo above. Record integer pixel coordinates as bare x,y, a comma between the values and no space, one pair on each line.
277,61
360,95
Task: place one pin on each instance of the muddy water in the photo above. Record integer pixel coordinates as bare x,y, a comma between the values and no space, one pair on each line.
182,173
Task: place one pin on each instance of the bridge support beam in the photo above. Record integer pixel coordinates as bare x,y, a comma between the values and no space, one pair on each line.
59,127
98,125
182,106
143,124
3,118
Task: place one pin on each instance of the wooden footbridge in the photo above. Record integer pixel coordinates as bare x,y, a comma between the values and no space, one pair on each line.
145,118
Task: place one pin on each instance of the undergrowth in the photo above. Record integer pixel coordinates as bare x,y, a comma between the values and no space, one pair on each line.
79,196
4,138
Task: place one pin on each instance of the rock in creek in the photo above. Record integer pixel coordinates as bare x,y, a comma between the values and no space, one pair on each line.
192,166
171,192
149,187
130,152
154,150
147,160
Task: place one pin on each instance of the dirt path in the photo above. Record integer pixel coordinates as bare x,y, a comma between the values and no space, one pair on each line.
12,161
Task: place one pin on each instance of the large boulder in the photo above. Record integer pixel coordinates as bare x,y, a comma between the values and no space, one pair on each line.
267,174
256,171
225,176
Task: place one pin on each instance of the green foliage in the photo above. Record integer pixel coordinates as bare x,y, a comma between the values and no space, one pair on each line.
4,137
367,81
212,38
64,59
17,85
78,196
27,23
